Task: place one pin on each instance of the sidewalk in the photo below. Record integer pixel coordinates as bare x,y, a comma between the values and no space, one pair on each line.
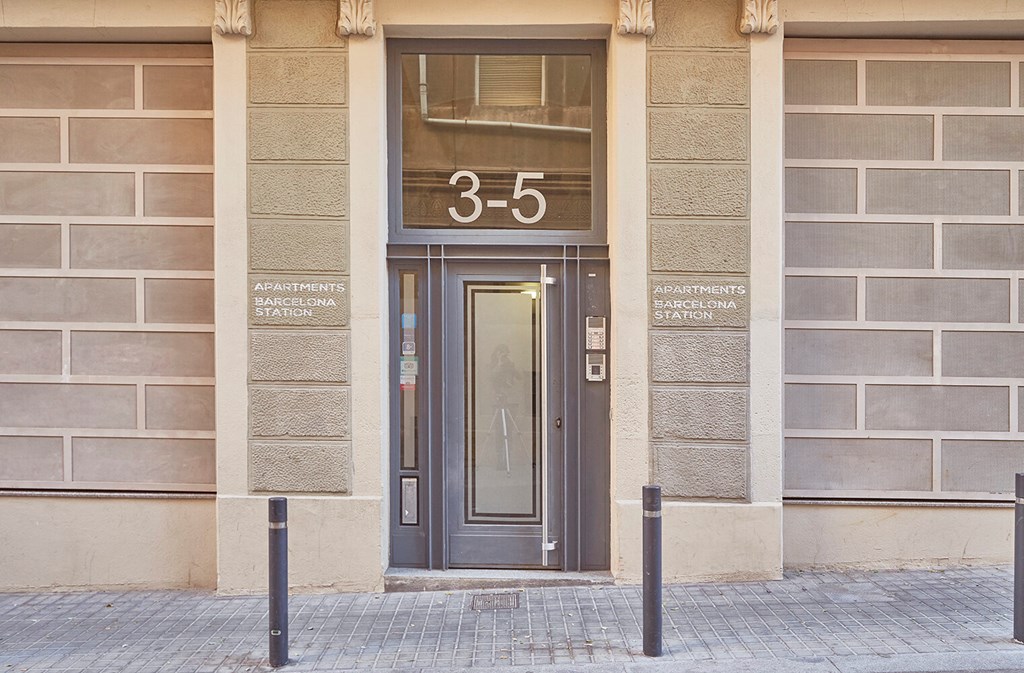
852,622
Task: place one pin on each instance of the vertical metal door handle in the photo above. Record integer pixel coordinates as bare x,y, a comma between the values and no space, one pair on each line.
544,378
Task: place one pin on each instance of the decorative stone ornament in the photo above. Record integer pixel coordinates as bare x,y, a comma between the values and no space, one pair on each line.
232,17
355,17
759,16
636,17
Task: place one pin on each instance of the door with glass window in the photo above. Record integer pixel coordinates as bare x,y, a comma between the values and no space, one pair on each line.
505,414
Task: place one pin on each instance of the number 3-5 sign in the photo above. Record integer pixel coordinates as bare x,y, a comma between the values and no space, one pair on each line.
478,205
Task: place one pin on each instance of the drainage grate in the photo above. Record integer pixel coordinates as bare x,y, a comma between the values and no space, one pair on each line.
495,601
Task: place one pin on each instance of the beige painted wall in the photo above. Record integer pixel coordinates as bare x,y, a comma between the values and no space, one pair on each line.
887,536
96,542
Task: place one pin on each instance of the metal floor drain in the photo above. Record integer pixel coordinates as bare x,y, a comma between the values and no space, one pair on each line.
495,601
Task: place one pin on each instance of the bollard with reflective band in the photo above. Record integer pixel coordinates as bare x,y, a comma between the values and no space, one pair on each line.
278,589
652,571
1018,561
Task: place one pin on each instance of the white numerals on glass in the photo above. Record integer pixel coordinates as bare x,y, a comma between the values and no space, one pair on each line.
520,192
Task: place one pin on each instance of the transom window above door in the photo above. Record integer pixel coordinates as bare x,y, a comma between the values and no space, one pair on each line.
502,139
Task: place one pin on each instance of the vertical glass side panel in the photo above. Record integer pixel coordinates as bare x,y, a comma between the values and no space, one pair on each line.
408,372
503,390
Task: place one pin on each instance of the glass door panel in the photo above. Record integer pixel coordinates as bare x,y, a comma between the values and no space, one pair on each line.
503,400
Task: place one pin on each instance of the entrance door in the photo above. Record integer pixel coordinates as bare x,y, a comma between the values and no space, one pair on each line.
505,399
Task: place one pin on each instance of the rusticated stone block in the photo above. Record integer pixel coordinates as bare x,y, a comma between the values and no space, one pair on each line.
299,412
301,301
699,357
298,134
720,472
319,191
697,23
699,414
299,356
699,191
296,245
698,135
296,23
323,467
700,247
710,78
312,78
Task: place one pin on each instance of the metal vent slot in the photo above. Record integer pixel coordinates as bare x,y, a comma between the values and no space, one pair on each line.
495,601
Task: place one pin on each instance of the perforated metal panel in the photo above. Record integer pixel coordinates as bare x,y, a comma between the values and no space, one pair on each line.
106,267
904,250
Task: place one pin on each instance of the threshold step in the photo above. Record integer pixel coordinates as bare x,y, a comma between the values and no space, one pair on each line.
415,579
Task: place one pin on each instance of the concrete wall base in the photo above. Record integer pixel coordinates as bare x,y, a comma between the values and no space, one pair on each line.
895,536
334,544
98,542
705,541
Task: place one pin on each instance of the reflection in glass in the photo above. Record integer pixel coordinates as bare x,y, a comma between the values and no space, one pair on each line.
507,119
409,430
502,403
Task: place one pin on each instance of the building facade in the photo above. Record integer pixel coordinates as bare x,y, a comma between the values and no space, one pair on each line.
459,278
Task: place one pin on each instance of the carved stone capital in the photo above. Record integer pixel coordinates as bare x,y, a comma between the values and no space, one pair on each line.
355,17
759,16
636,17
232,17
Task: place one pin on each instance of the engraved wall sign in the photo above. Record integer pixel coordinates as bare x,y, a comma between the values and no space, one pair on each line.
298,300
699,302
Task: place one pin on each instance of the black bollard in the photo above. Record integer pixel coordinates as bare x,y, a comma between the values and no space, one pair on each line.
278,581
1018,561
652,571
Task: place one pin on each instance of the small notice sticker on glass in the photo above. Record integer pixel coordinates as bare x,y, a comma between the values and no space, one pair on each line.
407,382
409,366
408,348
408,320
